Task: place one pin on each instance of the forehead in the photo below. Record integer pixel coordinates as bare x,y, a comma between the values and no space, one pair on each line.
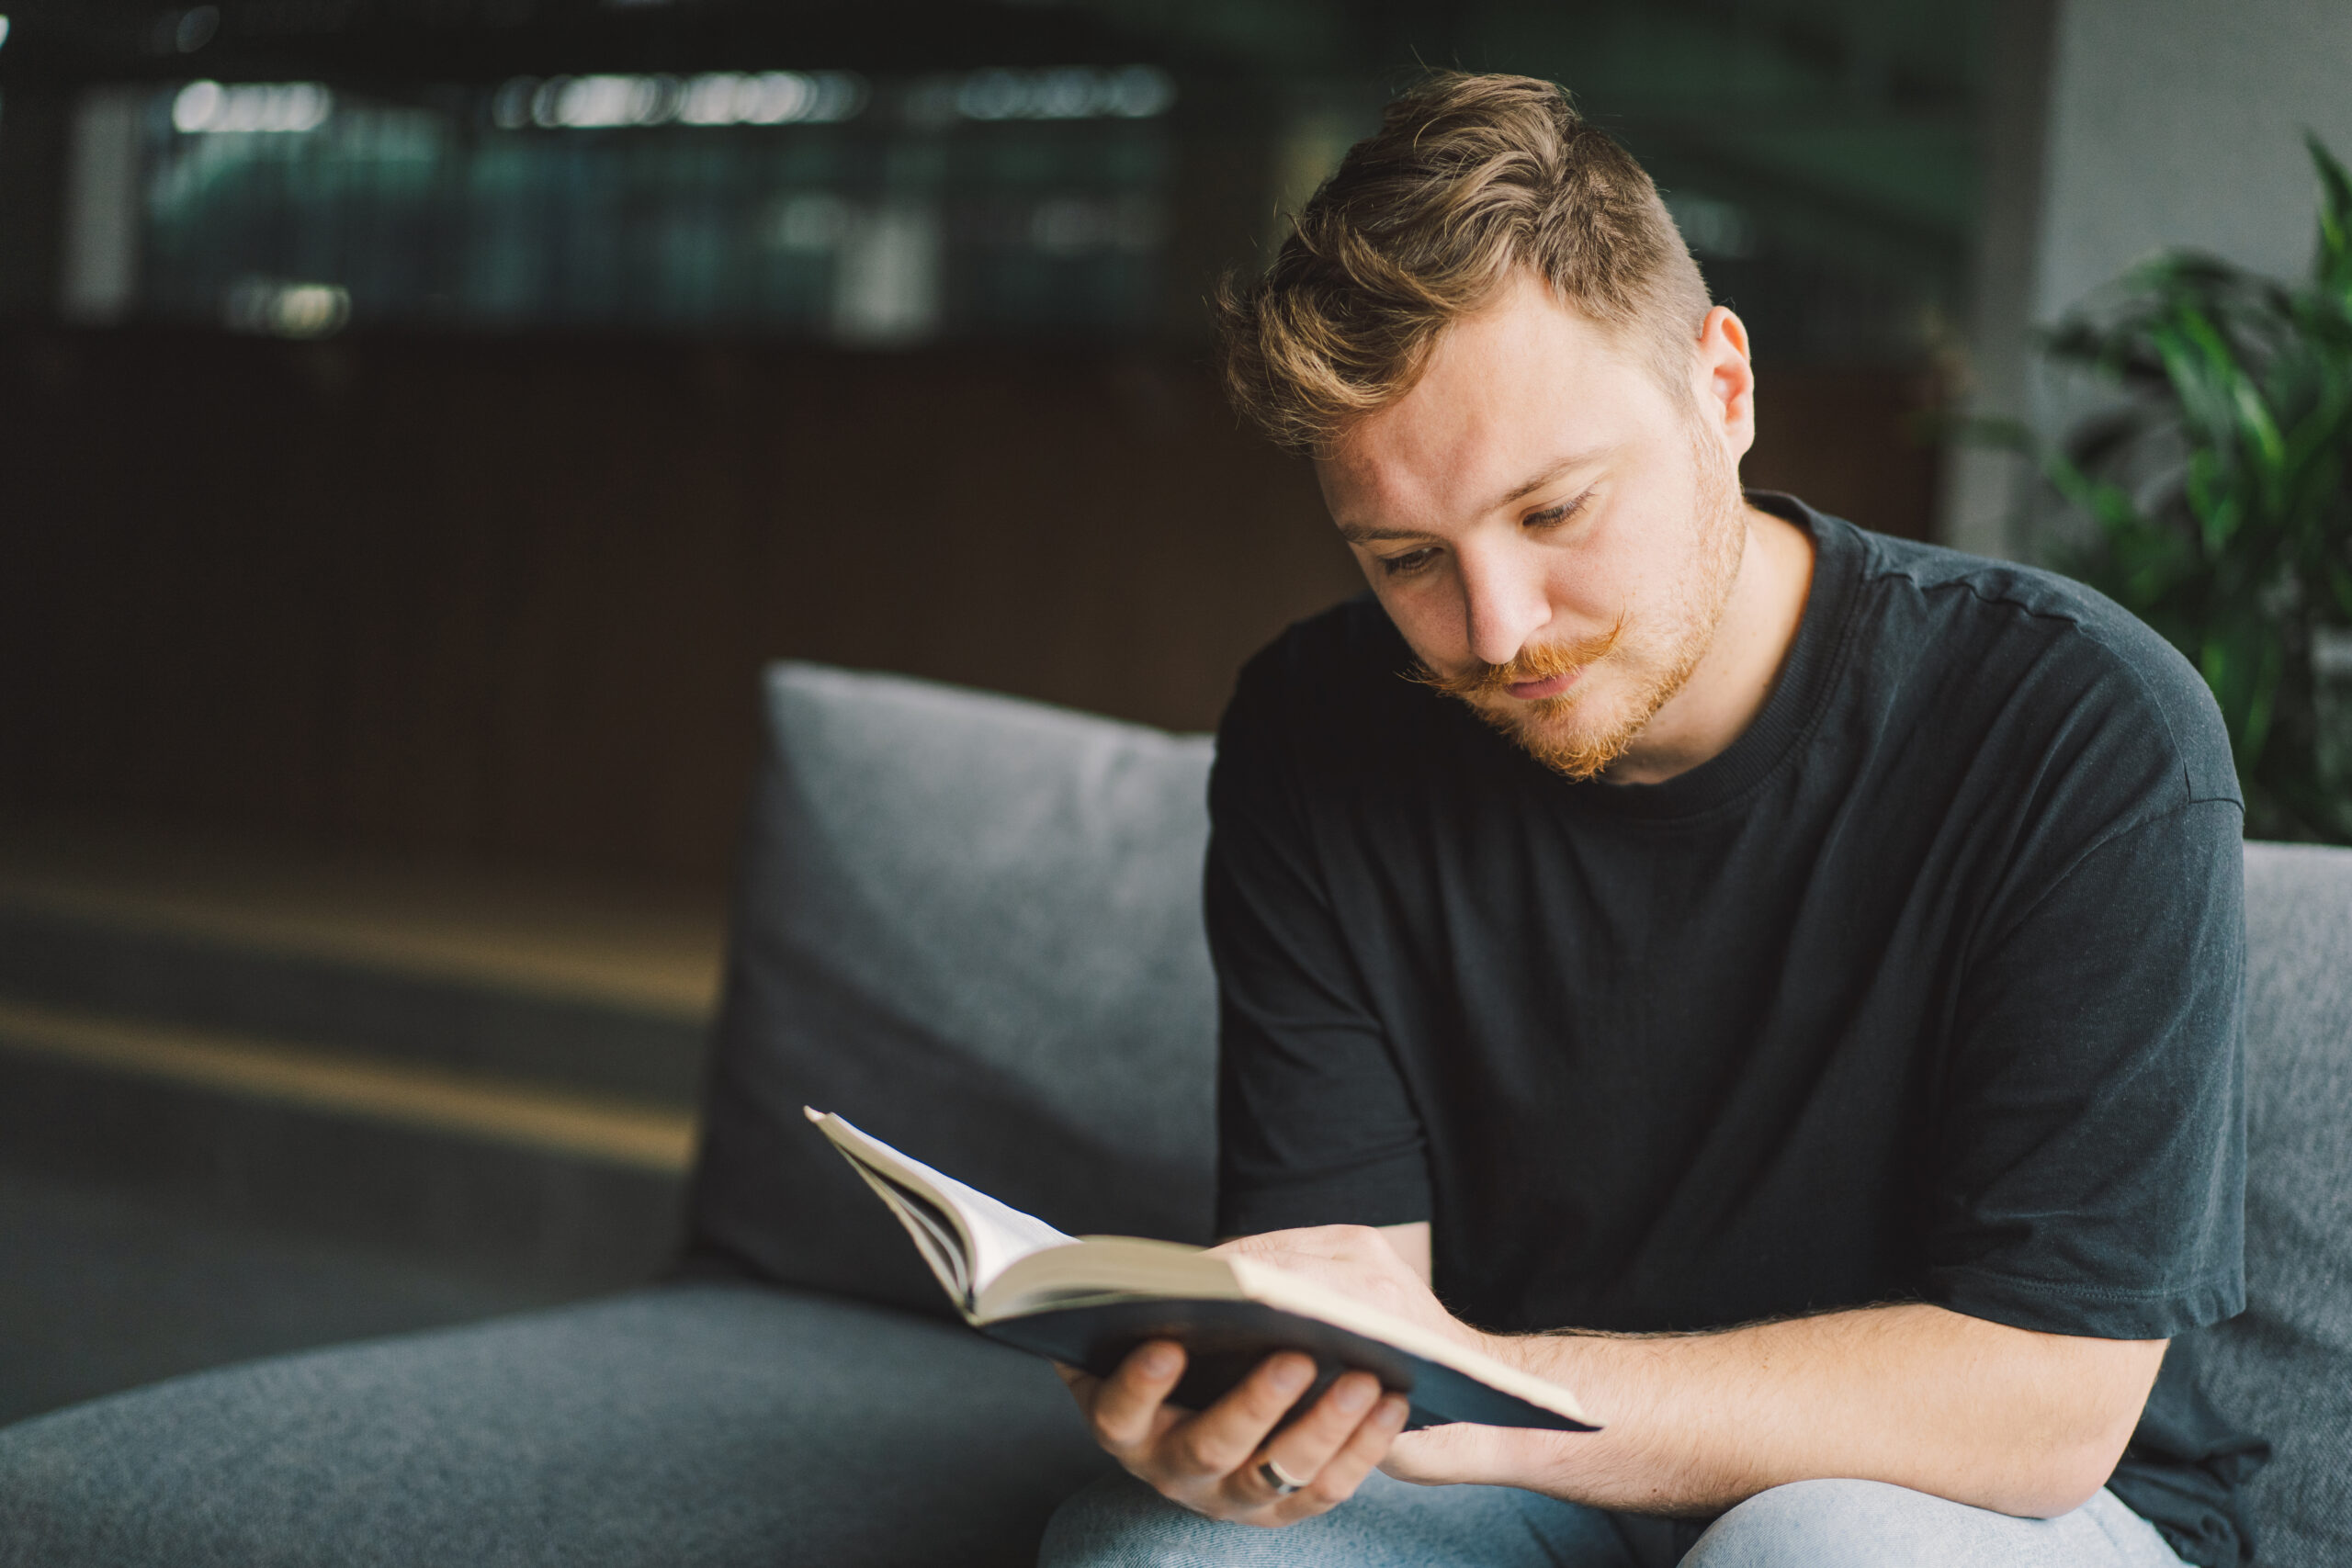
1506,392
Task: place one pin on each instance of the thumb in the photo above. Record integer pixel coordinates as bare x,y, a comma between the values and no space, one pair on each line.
1441,1456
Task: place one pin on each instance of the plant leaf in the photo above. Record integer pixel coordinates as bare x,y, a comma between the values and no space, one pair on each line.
2332,270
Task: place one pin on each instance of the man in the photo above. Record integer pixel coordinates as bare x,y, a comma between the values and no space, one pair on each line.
1780,983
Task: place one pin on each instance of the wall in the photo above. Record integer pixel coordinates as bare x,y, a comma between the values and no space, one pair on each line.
2117,127
505,600
2180,122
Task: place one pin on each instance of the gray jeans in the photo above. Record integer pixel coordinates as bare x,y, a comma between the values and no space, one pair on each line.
1122,1523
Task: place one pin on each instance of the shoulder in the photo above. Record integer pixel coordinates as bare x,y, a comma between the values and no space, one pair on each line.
2058,670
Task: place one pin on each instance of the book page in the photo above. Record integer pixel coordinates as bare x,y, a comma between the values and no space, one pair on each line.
996,1234
935,1232
1104,1266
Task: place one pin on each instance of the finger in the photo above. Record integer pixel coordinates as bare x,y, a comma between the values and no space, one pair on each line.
1435,1455
1307,1445
1225,1436
1344,1470
1084,1387
1126,1402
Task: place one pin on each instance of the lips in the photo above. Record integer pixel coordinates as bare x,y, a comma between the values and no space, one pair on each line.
1550,686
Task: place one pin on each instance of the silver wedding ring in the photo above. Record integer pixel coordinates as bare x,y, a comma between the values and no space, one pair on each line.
1278,1478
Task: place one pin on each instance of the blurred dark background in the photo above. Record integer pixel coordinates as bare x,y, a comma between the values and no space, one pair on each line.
420,419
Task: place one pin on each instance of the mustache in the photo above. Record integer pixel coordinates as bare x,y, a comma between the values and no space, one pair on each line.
1538,663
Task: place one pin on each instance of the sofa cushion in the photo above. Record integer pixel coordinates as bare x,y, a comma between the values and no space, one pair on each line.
690,1425
2284,1367
972,926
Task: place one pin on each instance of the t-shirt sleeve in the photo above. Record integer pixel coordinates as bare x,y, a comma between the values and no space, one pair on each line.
2091,1177
1315,1125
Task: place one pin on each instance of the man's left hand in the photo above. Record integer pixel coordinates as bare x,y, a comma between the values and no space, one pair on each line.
1359,1263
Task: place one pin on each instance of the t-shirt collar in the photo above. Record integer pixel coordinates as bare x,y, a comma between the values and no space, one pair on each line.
1800,693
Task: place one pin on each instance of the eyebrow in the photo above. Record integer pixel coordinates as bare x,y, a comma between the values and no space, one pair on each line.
1364,534
1359,534
1573,461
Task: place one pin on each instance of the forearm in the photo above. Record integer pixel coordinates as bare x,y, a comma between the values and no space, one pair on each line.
1998,1418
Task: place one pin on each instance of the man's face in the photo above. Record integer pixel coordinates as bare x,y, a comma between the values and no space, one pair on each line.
1554,534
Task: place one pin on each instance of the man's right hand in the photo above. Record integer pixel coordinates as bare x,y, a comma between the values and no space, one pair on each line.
1214,1461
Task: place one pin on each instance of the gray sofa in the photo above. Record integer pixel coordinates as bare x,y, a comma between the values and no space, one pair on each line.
972,924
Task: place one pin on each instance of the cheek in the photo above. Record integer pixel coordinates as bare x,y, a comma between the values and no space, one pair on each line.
1588,584
1638,568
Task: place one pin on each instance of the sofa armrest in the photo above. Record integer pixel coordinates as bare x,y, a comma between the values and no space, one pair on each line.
687,1424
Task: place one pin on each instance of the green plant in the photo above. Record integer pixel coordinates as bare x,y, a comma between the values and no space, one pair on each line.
2222,488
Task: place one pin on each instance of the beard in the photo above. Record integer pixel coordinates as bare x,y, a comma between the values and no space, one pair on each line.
1585,728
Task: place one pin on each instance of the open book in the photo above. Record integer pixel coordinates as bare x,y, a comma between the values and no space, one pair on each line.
1088,1303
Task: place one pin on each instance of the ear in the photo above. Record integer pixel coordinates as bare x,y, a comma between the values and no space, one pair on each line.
1724,381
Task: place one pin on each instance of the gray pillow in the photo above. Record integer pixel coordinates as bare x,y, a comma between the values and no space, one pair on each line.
972,926
2284,1367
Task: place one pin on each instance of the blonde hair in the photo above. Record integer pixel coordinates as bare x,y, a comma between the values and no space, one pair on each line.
1468,178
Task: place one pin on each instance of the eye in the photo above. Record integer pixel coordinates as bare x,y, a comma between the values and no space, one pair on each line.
1406,564
1552,518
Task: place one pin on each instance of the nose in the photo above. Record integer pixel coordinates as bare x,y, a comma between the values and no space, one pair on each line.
1503,601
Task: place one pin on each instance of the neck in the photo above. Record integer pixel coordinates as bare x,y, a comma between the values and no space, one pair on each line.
1734,677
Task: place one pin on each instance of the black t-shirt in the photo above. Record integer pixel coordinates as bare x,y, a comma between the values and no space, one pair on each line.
1927,988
